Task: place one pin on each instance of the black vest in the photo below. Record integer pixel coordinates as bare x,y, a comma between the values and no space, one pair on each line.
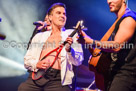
125,59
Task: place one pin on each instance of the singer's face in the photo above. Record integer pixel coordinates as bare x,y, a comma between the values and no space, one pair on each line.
58,17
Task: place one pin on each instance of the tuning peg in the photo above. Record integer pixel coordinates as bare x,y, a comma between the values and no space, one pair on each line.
85,29
81,25
81,22
74,27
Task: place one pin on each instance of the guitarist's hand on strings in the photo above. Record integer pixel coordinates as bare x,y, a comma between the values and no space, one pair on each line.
68,45
43,64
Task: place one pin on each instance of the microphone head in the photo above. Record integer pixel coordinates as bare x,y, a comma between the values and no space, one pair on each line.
39,24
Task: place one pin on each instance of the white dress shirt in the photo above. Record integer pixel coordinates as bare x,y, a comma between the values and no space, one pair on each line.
75,57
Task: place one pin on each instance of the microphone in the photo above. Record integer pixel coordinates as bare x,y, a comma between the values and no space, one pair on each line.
39,24
2,37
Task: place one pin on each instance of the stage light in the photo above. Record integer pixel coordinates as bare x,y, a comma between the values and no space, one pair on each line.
10,68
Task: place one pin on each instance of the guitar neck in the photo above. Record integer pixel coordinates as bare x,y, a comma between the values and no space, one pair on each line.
73,33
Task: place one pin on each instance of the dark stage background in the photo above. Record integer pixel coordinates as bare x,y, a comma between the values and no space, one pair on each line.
17,17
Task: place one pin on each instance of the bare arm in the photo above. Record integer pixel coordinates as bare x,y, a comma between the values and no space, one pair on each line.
124,34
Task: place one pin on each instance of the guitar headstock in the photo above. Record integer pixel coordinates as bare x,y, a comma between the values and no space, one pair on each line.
80,26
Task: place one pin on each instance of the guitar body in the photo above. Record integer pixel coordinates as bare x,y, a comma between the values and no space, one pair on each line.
100,65
37,75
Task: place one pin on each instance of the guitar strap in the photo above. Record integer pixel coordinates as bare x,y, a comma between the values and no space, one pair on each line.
107,34
117,24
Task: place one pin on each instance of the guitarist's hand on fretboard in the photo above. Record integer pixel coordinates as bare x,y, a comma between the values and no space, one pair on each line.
69,43
83,38
80,39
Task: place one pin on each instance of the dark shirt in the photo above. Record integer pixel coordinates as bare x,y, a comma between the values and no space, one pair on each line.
125,59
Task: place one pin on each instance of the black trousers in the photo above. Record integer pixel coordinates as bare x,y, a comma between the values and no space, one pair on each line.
123,81
50,82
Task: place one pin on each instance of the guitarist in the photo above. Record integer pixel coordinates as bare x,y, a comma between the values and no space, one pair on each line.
59,76
121,73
